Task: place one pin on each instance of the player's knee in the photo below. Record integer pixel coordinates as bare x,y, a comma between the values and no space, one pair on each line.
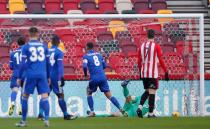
60,95
45,95
152,91
108,94
25,95
88,91
15,89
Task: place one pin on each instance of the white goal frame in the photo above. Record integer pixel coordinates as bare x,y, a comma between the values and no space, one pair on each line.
107,16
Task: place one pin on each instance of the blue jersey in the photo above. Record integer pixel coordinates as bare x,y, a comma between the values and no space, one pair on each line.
35,58
95,63
56,63
15,60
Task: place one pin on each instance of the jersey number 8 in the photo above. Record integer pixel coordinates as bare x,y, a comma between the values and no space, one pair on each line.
96,61
37,54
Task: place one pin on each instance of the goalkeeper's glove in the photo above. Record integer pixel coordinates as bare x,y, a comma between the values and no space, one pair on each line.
166,76
61,83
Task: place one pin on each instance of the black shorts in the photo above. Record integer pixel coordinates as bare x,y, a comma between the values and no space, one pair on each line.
150,83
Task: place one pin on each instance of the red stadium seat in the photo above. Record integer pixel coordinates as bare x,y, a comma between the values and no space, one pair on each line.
116,59
191,60
4,50
3,7
106,5
184,47
105,36
146,12
172,58
66,35
52,6
87,5
128,46
4,59
35,6
70,5
92,12
158,5
69,69
167,48
141,5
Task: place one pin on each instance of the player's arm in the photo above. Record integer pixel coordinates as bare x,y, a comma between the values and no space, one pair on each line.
48,65
23,64
11,66
103,63
84,65
139,61
160,58
60,69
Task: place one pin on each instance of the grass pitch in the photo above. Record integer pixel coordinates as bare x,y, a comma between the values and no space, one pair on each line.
113,123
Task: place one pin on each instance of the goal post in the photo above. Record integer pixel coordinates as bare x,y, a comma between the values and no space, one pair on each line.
194,30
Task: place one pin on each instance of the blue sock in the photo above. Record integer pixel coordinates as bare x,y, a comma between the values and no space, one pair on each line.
24,102
90,102
13,96
115,102
41,111
46,107
62,105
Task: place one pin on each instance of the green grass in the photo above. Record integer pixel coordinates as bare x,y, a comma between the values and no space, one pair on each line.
113,123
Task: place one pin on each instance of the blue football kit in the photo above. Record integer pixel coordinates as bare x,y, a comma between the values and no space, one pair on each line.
95,64
56,69
15,61
36,67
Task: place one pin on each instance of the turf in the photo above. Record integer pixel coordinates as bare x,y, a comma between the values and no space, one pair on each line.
114,123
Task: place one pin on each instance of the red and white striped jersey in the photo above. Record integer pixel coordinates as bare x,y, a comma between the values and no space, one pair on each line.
150,54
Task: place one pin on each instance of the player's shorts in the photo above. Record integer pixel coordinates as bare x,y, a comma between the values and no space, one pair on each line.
40,83
102,84
13,82
150,83
55,87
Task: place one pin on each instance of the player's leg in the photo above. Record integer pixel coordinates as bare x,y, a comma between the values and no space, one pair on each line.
14,87
28,88
125,88
41,112
144,97
43,90
152,91
91,88
104,87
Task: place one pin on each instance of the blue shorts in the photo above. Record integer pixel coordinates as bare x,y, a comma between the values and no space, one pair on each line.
40,83
54,86
102,84
13,82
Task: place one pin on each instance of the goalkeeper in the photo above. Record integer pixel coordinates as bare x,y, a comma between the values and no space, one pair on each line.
132,102
130,106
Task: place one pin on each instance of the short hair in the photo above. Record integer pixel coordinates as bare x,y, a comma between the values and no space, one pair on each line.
33,31
21,41
55,40
150,34
90,45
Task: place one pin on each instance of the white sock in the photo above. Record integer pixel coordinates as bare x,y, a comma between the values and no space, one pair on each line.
150,113
140,107
12,103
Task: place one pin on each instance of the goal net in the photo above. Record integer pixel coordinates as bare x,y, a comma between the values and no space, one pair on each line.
117,38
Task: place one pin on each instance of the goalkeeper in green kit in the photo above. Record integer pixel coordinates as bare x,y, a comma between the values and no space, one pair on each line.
130,106
132,102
